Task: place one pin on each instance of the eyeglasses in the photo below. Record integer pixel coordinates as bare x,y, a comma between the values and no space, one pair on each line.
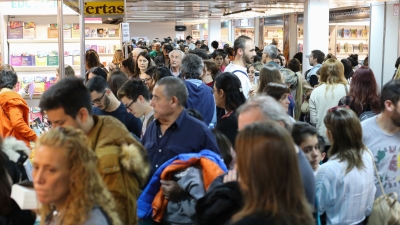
145,80
333,109
128,106
97,101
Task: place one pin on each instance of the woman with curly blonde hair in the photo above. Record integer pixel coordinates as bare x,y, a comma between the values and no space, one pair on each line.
67,182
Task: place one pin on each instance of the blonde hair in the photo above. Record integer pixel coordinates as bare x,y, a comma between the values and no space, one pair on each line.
118,57
6,67
397,76
332,72
86,187
69,71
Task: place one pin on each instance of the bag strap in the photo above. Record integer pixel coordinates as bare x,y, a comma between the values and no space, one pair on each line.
376,172
347,92
240,72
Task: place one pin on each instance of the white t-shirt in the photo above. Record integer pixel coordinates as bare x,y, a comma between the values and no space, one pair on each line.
241,73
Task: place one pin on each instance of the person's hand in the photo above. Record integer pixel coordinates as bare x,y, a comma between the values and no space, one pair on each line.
231,176
26,88
171,189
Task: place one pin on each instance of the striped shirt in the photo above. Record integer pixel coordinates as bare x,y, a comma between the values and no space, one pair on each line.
346,198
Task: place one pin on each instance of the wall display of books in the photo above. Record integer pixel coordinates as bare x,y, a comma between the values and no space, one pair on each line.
352,33
52,31
15,30
29,31
101,32
244,31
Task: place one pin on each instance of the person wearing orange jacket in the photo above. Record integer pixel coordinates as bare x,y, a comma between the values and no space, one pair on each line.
14,111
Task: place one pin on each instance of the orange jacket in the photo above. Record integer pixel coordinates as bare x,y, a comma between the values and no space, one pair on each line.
14,117
210,171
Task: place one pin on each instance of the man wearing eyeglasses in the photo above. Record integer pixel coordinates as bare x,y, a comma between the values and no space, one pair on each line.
106,103
121,160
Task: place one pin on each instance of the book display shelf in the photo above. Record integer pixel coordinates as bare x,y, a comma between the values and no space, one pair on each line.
32,47
347,39
271,32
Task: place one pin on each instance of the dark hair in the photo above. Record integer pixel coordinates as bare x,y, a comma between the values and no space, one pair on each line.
8,79
212,67
319,55
5,184
194,113
240,42
299,56
269,73
130,64
257,58
348,70
280,60
230,51
353,61
321,143
116,80
151,70
364,91
365,63
391,92
137,70
355,57
301,131
168,47
396,64
224,146
294,65
98,71
205,48
201,53
174,86
133,88
92,59
232,88
70,94
160,73
214,44
97,84
188,37
197,42
276,90
219,52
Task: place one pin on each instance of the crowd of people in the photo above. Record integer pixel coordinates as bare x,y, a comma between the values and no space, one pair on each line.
177,134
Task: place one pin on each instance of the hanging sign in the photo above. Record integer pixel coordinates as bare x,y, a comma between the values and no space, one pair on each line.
125,32
349,14
99,8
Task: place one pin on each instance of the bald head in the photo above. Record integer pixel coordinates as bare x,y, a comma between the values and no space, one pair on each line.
136,52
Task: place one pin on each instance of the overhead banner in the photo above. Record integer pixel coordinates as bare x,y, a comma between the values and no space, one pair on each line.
99,8
339,15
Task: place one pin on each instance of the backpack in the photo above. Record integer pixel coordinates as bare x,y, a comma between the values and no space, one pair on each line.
365,115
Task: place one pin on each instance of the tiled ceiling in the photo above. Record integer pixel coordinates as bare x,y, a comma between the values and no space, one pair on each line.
197,11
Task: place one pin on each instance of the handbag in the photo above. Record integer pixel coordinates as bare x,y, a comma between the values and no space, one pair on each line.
307,90
386,208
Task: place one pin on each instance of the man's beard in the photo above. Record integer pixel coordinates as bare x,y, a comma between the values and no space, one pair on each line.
107,102
247,59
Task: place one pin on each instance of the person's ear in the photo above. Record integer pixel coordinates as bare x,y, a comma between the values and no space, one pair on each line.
221,93
323,155
108,92
389,106
141,99
83,115
174,101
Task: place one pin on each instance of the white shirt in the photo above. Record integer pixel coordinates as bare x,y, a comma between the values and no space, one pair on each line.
243,77
346,198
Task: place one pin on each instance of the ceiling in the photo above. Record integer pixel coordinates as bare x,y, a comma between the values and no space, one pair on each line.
190,11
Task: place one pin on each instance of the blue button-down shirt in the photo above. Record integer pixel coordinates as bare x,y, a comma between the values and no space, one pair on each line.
185,135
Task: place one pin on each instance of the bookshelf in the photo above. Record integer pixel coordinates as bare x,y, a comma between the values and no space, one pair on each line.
347,39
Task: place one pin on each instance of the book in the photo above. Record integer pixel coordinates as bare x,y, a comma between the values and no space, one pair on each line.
87,32
111,32
339,33
350,48
52,31
41,58
94,47
109,49
16,59
101,48
359,33
354,33
338,47
346,33
105,32
93,33
76,30
365,47
28,59
67,30
39,84
15,29
25,197
100,32
365,33
76,60
29,31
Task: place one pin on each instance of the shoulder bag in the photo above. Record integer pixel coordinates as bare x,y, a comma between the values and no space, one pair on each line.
386,208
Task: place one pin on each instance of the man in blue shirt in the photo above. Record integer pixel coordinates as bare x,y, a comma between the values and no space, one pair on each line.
105,103
174,132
